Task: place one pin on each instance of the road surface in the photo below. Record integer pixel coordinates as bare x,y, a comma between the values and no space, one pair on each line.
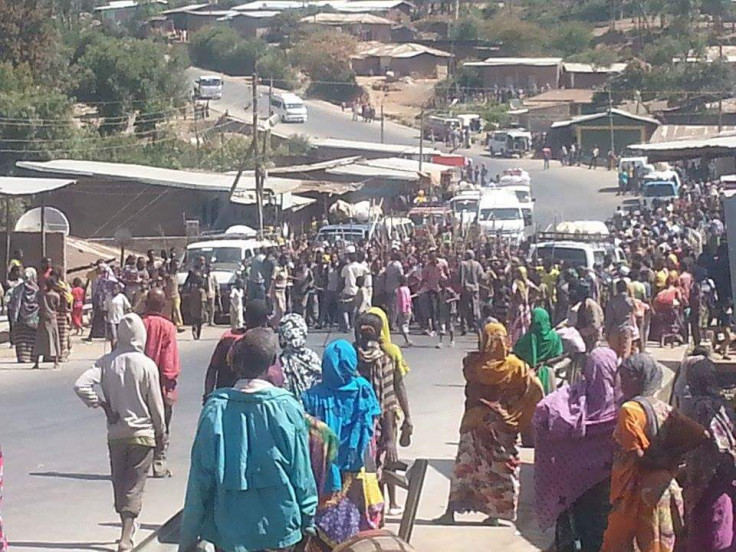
561,193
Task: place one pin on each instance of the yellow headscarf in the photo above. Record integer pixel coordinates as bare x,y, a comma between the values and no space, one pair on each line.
499,381
389,348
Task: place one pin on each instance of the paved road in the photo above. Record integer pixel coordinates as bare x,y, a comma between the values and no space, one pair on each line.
561,193
58,494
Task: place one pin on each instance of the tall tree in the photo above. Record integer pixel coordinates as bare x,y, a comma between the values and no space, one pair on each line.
25,32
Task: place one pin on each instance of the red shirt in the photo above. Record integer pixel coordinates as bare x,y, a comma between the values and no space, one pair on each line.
161,347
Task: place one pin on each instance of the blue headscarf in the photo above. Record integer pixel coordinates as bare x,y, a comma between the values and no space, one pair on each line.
347,403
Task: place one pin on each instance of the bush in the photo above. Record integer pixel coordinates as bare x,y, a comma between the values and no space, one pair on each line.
222,49
570,38
274,64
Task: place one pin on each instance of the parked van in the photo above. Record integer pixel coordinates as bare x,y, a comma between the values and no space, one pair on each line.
289,107
654,190
389,228
499,212
440,128
512,142
576,243
208,87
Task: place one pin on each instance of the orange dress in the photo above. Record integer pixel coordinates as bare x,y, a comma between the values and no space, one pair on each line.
643,501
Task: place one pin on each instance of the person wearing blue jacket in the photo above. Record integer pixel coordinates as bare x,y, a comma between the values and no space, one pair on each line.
250,486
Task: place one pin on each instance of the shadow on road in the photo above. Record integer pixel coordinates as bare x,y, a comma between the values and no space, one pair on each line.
79,476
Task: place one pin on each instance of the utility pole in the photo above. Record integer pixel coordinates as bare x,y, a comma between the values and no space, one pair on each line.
256,159
610,121
382,122
720,94
421,138
270,97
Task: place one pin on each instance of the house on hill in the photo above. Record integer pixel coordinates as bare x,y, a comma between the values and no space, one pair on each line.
363,26
588,75
401,59
519,73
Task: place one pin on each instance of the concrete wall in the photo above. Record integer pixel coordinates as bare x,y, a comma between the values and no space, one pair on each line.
424,65
520,76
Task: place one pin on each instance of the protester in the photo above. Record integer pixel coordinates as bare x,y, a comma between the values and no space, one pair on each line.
710,470
197,305
77,306
302,366
23,309
238,497
116,308
618,320
651,437
573,455
131,401
47,344
540,345
162,348
236,305
348,405
501,394
173,297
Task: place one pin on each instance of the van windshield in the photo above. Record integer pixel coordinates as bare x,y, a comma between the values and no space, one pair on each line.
522,196
210,81
222,258
569,255
464,205
501,213
659,189
334,234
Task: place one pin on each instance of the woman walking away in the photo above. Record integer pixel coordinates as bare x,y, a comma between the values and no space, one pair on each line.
197,305
651,438
573,455
348,405
77,305
48,344
539,345
302,366
63,315
23,310
710,492
501,394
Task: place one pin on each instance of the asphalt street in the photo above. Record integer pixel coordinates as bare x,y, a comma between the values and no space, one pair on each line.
561,193
58,495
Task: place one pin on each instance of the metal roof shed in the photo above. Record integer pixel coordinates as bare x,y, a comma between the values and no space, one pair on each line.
18,186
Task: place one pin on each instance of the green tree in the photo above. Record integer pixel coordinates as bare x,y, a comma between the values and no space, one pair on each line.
517,36
128,75
570,38
466,28
274,65
222,49
325,57
25,32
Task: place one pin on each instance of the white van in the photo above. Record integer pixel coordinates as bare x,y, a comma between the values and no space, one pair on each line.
289,107
512,142
465,206
225,257
208,87
499,212
524,195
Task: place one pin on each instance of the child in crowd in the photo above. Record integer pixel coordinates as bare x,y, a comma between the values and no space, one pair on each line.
117,307
236,305
448,311
403,307
77,306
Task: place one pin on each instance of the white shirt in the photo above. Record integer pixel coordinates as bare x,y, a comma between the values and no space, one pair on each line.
116,308
351,273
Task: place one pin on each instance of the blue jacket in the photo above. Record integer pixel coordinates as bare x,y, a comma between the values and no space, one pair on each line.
250,485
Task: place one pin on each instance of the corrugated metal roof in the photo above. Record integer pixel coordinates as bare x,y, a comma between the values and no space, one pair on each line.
20,186
264,14
346,19
502,61
211,13
395,149
117,5
407,50
155,176
727,141
594,116
188,7
569,95
366,172
590,68
357,6
668,133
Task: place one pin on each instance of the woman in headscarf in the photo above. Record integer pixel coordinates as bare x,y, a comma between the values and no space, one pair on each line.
539,345
348,405
102,290
520,312
48,343
63,319
500,396
710,473
651,438
23,310
574,453
301,365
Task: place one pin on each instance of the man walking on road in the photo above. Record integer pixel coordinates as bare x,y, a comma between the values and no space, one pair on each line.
161,347
594,154
131,400
471,273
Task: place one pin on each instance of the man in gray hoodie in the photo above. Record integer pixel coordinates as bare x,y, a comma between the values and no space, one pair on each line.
131,400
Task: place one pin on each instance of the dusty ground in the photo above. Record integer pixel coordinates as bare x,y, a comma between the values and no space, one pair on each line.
402,100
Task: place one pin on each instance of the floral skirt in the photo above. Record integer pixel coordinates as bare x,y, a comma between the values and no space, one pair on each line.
357,507
486,474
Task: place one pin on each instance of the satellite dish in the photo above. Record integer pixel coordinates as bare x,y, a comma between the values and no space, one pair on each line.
515,104
56,221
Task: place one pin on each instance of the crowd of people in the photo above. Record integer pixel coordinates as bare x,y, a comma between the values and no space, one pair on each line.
561,365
